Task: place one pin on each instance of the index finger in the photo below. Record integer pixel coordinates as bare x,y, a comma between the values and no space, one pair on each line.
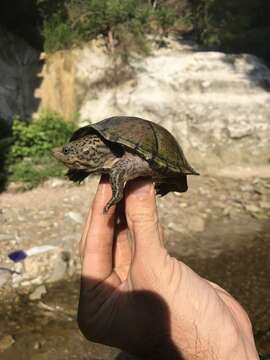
142,218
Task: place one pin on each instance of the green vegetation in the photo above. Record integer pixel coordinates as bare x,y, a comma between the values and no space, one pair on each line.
226,25
29,159
229,25
233,25
122,22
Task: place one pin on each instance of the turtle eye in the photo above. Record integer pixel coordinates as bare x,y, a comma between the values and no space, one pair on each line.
65,150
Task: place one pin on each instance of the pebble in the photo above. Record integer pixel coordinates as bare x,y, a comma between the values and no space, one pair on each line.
37,346
38,293
75,216
59,266
252,208
6,342
18,267
55,183
5,237
247,187
196,223
5,276
177,226
265,205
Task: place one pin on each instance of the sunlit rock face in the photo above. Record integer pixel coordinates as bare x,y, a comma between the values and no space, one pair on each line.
19,77
217,105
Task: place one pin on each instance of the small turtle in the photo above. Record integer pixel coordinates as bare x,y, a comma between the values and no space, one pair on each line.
126,148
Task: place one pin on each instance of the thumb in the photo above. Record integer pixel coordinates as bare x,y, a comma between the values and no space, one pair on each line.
142,217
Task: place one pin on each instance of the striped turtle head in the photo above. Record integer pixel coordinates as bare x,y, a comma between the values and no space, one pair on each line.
86,153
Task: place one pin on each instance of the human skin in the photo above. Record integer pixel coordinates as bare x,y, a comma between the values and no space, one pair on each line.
136,297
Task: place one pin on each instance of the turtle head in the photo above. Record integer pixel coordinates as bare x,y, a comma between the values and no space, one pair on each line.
88,153
67,154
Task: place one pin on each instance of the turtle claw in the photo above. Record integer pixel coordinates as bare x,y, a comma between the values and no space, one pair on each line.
109,205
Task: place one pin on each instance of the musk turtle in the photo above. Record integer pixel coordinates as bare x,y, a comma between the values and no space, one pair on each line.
126,148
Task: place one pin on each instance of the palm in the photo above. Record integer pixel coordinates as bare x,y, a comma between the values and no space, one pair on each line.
130,297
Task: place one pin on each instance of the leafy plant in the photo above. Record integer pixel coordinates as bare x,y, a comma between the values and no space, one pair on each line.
38,137
233,25
29,159
116,20
31,172
58,34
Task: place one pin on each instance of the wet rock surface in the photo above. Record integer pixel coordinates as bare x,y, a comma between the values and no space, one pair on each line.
220,228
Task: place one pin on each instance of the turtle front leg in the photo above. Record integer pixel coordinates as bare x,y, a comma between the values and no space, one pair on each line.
127,168
117,180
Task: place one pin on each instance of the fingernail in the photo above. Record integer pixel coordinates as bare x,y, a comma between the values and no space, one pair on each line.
141,189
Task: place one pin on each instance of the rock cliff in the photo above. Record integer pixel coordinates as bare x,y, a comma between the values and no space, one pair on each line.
216,104
19,77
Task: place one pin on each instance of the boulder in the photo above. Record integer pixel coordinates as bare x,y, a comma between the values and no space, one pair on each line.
19,68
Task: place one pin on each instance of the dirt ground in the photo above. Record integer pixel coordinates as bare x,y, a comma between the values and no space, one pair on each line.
220,228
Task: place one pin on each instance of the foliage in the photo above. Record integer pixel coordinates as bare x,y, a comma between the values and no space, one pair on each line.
31,172
30,160
233,25
226,25
57,34
117,20
38,137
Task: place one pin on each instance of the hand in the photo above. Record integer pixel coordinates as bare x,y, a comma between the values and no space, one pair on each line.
136,297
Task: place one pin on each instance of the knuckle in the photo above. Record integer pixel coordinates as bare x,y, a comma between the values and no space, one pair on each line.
142,215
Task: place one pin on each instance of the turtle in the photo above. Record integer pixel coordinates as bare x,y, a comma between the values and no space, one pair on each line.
126,147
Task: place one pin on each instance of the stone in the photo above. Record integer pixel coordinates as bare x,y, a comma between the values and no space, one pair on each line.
6,342
247,188
196,223
46,267
264,205
177,226
59,267
38,293
19,66
18,267
55,183
37,345
5,276
74,216
6,237
252,208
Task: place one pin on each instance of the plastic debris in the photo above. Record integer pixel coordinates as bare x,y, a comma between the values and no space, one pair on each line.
19,255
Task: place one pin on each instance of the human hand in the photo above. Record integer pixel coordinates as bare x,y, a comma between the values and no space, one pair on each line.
136,297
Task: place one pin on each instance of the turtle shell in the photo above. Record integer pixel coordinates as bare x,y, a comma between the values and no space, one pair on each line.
149,140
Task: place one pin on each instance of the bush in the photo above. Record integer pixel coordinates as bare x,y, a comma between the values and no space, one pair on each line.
83,20
30,160
58,34
233,25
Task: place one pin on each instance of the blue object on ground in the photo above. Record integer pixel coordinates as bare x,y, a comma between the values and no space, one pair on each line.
17,255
